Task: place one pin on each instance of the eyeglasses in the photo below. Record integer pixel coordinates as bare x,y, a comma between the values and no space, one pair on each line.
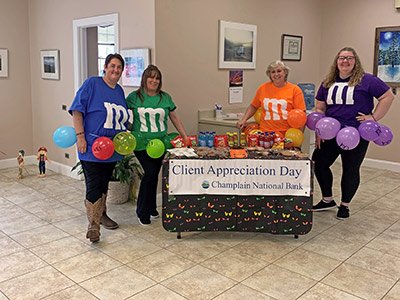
348,58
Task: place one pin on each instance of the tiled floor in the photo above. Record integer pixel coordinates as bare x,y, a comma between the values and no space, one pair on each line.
44,253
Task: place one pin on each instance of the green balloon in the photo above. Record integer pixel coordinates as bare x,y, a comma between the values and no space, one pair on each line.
155,148
173,135
141,141
124,143
167,142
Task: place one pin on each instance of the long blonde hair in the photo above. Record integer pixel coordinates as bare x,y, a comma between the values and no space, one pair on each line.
356,75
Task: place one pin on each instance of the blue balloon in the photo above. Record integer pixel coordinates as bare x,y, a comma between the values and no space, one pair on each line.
64,137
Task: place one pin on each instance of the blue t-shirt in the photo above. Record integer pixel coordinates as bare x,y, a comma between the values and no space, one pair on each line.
104,114
344,102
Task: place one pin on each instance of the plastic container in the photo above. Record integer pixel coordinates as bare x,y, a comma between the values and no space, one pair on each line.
242,141
235,139
202,139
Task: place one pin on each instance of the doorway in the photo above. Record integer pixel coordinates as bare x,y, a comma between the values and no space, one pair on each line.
94,38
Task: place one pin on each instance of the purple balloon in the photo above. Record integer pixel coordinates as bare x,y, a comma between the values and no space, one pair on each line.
369,130
327,128
313,118
348,138
385,136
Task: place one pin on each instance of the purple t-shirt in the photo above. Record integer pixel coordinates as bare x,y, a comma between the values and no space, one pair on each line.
344,102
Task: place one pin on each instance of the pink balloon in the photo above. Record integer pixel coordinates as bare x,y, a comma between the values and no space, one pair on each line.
327,128
348,138
385,136
313,118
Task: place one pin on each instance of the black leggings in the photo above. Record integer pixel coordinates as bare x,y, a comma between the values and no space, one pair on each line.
351,163
147,198
97,177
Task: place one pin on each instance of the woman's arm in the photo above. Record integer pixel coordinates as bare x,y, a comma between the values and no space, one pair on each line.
179,126
77,119
384,103
320,106
250,111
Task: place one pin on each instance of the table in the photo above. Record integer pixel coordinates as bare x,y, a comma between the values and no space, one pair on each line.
255,195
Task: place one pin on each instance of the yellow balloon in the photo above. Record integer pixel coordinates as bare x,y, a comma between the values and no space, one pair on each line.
257,115
295,135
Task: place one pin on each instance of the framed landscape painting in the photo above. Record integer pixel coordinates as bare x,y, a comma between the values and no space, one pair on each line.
387,55
237,45
50,64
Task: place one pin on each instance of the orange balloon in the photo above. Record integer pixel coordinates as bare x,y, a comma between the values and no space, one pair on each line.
295,135
257,115
297,118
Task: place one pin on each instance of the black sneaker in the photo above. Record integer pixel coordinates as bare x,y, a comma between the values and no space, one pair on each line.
343,212
144,222
154,215
322,205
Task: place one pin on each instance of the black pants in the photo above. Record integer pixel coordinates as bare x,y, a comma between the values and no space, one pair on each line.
42,167
147,198
97,177
351,163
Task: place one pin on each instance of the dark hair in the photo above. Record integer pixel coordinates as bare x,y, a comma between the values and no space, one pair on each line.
150,72
117,56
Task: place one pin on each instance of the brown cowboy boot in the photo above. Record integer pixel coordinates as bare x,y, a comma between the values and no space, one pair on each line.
105,220
94,211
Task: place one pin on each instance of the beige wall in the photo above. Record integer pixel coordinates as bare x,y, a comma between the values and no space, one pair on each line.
353,23
187,48
15,90
185,33
50,24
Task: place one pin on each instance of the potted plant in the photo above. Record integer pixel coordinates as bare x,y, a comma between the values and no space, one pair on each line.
126,172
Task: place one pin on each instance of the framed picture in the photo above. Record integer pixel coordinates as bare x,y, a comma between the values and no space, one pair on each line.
3,63
136,61
387,55
237,45
50,64
291,47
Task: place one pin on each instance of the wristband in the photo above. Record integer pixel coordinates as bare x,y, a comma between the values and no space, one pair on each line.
80,133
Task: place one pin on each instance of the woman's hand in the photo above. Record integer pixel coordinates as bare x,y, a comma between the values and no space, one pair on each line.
81,143
362,118
241,124
318,141
187,143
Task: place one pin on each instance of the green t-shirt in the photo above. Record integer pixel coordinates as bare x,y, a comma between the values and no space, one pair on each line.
150,118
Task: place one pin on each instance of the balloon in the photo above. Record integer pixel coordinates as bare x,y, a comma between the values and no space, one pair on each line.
141,141
369,130
124,143
103,148
297,118
155,148
64,137
167,142
295,135
257,115
348,138
385,136
327,128
313,118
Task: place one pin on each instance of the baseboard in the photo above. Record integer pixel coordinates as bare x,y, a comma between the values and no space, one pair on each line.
32,160
382,164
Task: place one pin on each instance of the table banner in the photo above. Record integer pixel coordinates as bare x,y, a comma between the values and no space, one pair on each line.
240,177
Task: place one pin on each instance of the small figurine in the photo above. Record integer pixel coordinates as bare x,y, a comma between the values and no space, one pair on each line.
42,158
20,159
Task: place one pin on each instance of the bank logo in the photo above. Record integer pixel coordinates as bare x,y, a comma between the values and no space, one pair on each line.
205,184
